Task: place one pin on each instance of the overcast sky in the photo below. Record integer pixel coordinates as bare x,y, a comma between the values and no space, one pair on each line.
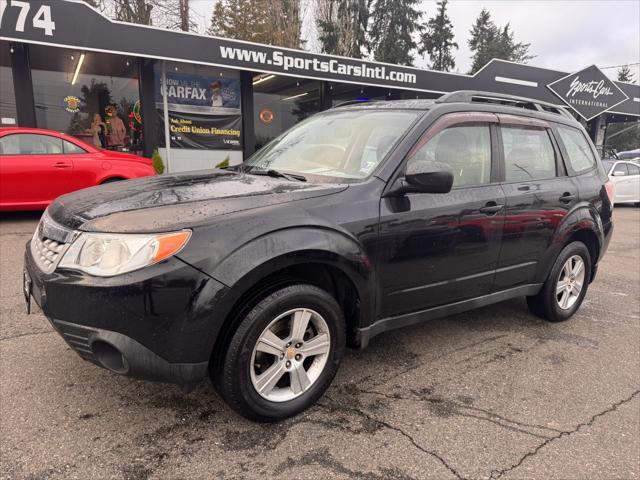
565,35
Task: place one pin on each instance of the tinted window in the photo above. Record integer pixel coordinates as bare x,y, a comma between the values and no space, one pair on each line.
72,147
633,169
31,144
466,149
621,168
580,155
528,154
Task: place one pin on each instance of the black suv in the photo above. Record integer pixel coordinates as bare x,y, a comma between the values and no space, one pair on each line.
358,220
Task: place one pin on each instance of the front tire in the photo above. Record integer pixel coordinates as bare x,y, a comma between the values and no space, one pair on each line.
284,354
566,285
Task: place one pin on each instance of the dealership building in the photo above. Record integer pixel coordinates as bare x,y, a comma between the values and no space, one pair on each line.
203,100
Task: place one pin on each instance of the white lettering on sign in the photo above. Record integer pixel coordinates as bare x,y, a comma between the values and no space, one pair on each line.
596,89
42,18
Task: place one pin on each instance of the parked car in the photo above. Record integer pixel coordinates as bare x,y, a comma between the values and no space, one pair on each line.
37,166
625,176
358,220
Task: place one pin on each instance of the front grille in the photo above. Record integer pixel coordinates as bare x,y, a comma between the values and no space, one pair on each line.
47,253
49,243
77,337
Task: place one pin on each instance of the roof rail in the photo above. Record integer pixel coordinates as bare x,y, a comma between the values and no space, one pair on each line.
352,102
469,96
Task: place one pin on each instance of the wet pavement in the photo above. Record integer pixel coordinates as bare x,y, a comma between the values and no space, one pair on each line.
492,393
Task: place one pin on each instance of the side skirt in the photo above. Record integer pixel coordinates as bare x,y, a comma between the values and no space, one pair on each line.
406,319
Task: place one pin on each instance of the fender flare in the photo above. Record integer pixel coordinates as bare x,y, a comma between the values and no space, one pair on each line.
252,262
582,217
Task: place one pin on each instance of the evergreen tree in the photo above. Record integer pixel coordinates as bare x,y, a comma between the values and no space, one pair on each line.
624,74
489,41
437,40
393,24
274,22
342,26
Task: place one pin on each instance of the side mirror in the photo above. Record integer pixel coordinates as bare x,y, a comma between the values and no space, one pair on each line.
428,177
619,174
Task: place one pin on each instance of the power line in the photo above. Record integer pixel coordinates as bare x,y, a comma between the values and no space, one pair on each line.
623,65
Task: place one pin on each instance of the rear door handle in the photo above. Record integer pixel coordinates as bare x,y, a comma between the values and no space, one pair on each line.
567,197
62,165
491,208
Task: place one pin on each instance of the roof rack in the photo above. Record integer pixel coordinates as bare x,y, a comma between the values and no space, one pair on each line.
352,102
469,96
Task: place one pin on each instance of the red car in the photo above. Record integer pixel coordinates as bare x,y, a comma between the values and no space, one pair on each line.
36,166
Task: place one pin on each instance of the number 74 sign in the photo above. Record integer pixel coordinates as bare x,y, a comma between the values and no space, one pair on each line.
41,19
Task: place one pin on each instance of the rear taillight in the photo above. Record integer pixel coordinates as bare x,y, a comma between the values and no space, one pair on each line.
610,190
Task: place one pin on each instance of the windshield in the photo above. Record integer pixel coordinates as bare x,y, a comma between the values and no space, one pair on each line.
346,144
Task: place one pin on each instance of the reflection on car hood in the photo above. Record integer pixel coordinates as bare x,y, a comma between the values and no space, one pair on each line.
176,201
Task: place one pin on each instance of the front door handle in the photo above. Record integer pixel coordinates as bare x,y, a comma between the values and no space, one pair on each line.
567,197
61,165
491,208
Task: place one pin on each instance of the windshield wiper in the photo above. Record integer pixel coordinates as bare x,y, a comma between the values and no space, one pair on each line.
278,174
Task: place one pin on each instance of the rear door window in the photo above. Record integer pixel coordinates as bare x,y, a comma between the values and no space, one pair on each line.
578,150
72,148
633,169
528,154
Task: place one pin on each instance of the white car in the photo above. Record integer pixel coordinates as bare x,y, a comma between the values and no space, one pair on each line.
625,176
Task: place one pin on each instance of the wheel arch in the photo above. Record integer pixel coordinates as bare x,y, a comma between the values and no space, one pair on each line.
324,258
582,224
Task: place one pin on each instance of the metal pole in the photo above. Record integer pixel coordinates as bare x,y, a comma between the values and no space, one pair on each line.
165,108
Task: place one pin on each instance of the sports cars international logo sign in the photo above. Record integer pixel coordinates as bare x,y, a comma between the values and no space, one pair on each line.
589,92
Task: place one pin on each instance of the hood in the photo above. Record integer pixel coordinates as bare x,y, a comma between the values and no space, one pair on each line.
176,201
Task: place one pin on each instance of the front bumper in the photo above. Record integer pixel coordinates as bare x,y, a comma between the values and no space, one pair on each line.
158,323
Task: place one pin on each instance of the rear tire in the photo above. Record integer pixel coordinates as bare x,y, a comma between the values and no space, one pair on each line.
283,355
566,285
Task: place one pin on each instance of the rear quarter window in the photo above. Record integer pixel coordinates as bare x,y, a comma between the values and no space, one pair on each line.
578,150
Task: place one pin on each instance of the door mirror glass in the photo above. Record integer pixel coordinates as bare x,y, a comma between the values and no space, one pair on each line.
428,177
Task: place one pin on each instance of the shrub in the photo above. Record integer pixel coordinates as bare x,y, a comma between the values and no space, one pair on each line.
158,164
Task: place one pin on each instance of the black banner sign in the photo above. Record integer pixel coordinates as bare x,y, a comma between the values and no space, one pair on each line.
589,92
74,24
202,131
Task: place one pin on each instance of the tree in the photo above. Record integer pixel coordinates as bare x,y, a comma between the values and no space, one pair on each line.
490,41
437,40
274,22
392,27
624,74
342,26
133,11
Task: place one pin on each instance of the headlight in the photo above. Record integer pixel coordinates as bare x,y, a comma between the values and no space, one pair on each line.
107,254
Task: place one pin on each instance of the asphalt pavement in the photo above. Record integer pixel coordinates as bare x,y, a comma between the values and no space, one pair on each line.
491,393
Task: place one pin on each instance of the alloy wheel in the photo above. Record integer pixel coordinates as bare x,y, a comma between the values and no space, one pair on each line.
570,282
290,355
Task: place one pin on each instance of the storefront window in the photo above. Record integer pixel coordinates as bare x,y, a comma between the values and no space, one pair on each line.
92,96
8,115
347,92
281,102
204,113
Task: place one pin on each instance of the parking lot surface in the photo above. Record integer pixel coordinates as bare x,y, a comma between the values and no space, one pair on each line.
492,393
